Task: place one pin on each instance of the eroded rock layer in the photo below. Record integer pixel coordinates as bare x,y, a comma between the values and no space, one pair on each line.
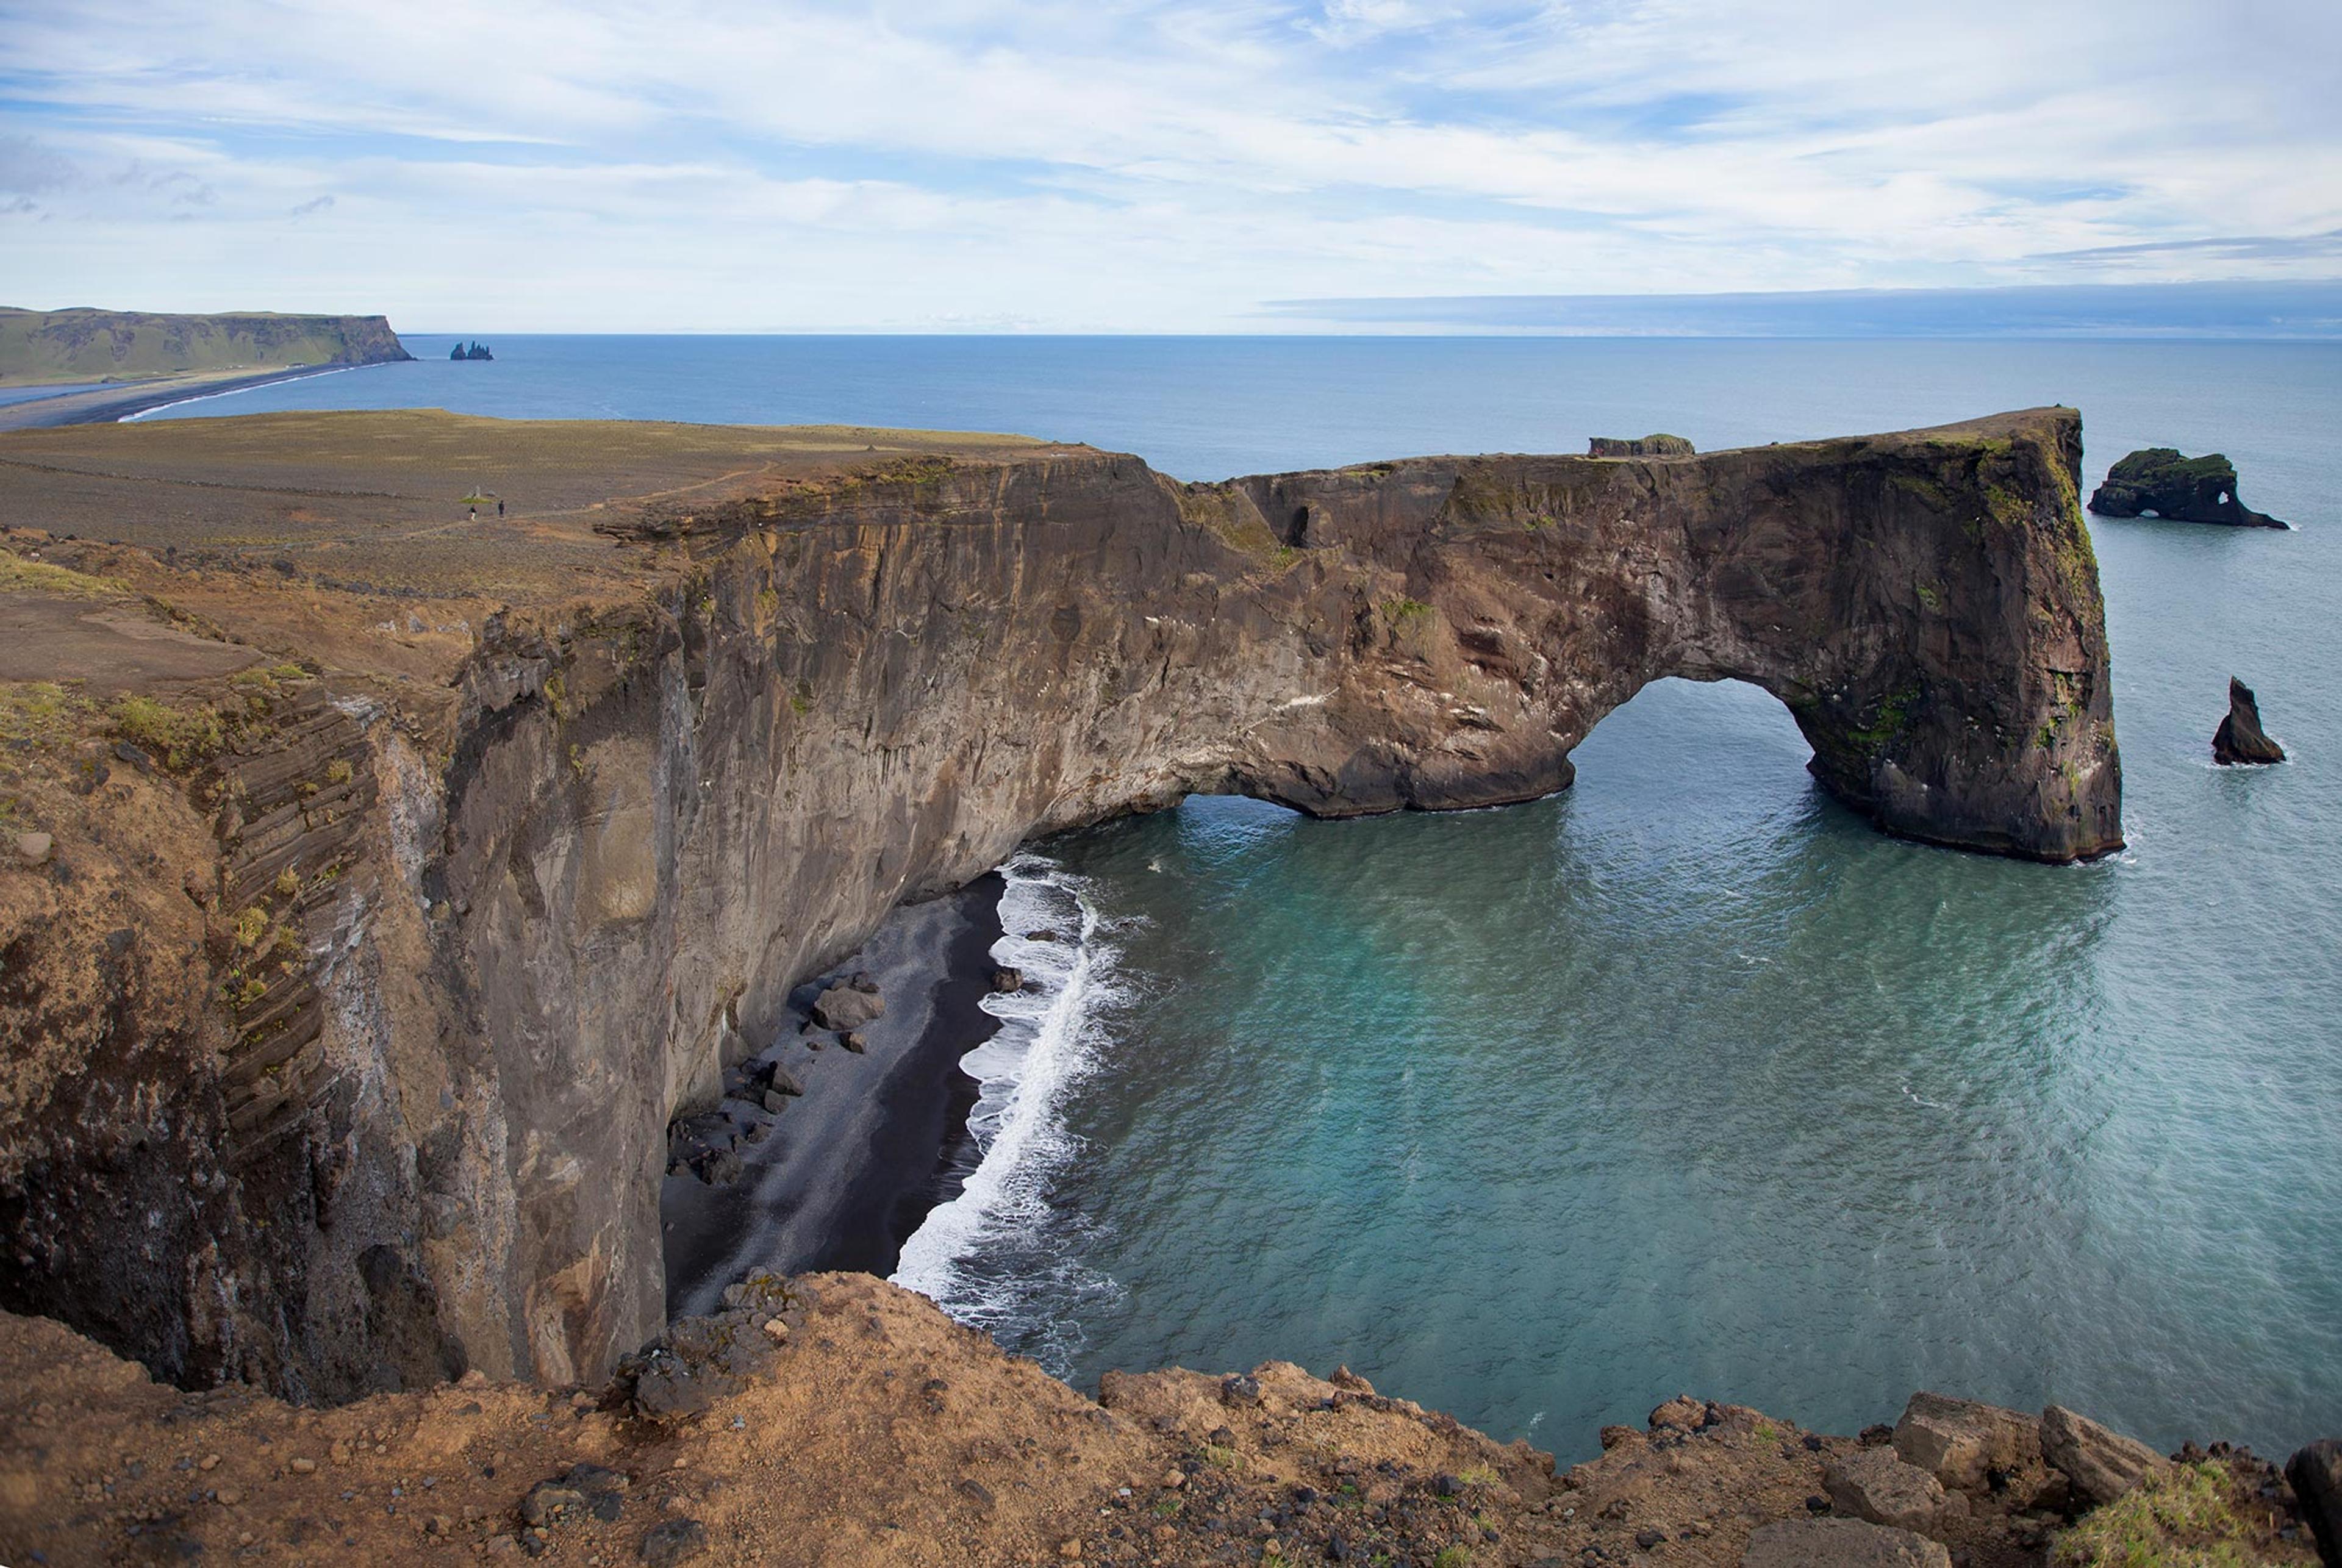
522,912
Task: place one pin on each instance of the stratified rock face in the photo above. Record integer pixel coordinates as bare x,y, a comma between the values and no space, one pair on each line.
1639,447
550,929
2157,480
2240,738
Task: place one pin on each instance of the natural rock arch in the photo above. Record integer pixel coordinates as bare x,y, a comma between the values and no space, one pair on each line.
651,817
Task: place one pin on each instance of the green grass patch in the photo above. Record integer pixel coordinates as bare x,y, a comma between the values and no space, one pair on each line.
180,738
41,713
17,573
2181,1519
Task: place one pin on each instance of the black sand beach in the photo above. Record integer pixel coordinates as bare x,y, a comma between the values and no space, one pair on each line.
844,1172
109,403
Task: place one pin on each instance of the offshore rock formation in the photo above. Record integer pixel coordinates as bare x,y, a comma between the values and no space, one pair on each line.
405,984
1641,446
2239,738
2157,482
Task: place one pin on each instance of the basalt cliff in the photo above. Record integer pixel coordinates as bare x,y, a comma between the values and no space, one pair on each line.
383,884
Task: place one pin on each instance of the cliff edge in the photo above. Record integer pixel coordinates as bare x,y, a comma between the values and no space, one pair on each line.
73,346
400,878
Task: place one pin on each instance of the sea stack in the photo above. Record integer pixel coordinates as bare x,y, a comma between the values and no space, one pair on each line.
2157,482
2239,738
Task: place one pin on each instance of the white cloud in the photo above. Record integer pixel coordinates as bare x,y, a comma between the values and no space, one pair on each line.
1140,163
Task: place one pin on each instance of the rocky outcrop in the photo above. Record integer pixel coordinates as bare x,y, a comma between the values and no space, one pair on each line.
566,894
2240,738
2100,1465
2157,482
1639,447
835,1419
1968,1446
1875,1484
2314,1473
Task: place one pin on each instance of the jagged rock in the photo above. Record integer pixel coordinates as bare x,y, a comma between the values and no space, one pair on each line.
715,1167
675,1541
2240,738
1876,1484
1006,979
1961,1442
1682,1413
2314,1473
781,1080
1839,1543
2100,1465
853,1041
33,848
845,1007
1640,446
2157,481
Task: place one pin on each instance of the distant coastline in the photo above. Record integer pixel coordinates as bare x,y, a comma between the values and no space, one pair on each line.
131,399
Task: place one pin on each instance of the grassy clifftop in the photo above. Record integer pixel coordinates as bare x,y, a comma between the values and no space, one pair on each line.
73,346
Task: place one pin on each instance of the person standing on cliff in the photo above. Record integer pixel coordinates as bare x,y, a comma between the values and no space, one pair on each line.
500,506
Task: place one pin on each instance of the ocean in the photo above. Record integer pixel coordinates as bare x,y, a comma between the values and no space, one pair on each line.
1684,1079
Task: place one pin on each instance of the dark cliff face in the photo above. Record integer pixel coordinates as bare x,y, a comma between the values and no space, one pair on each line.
655,818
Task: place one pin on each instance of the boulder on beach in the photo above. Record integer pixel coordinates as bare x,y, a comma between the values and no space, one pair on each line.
2099,1463
1006,979
2240,738
2157,482
845,1007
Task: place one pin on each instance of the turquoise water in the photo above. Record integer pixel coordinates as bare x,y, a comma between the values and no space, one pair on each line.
1686,1079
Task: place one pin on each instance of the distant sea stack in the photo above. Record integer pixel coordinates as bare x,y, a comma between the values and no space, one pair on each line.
470,351
1641,446
2157,482
69,345
2239,738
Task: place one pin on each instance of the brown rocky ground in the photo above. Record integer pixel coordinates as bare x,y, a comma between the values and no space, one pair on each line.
836,1420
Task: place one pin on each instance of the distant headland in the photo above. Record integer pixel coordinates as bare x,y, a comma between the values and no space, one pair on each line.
68,346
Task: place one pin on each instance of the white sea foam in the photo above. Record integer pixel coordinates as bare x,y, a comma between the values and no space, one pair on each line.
231,391
1044,1044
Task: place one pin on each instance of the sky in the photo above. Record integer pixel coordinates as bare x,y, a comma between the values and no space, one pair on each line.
1088,165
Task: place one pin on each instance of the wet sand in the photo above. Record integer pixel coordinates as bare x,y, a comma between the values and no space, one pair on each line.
844,1172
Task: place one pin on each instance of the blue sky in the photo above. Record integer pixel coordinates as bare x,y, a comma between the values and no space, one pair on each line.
1115,166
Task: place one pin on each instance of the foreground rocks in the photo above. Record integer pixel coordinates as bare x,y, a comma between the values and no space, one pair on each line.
833,1420
2158,482
2240,738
